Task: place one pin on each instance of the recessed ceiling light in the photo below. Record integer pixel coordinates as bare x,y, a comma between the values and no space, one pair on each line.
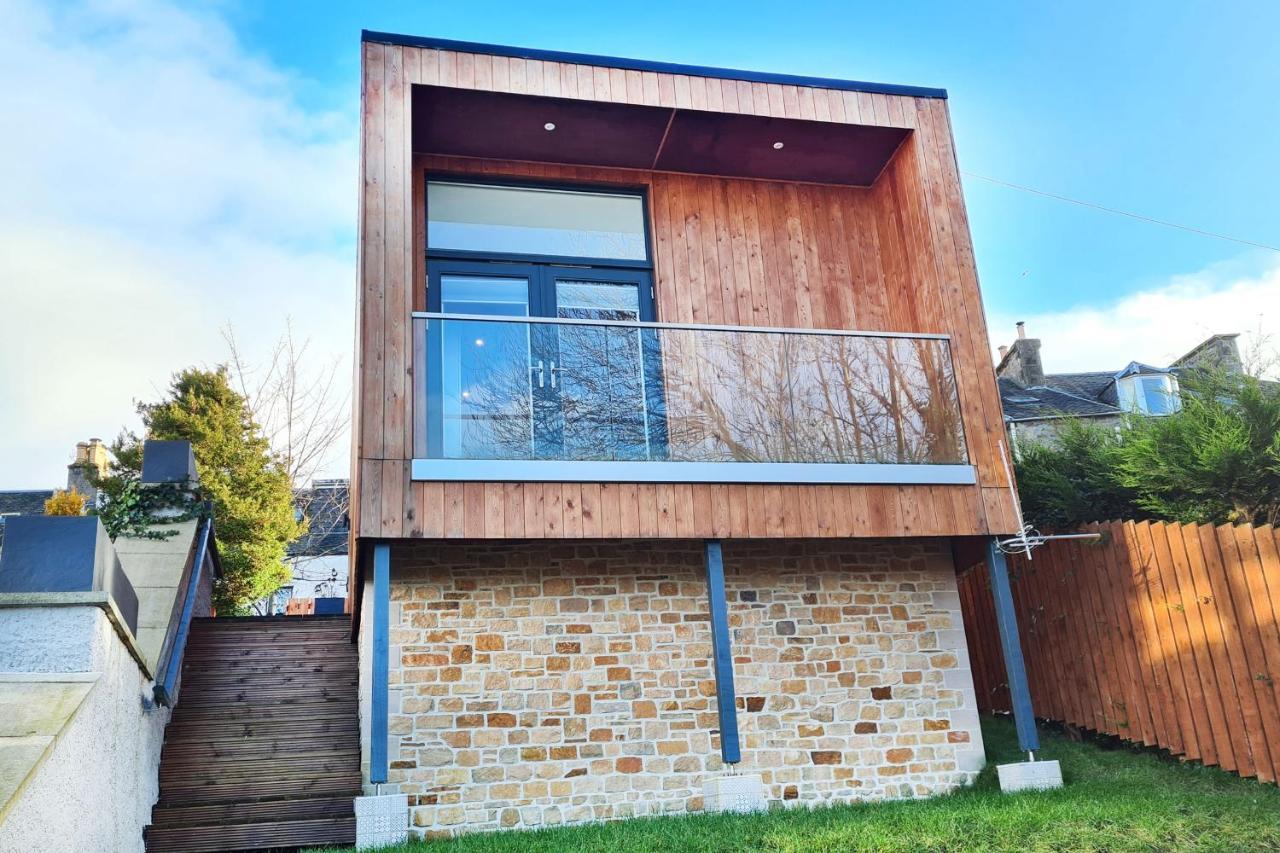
777,146
551,125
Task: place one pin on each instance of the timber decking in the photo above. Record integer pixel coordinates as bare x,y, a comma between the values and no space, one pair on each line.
263,750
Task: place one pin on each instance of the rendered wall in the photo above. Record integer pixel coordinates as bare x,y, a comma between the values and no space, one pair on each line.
542,683
95,789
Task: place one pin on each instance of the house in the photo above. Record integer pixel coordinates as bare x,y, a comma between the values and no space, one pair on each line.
318,559
1036,403
90,456
673,410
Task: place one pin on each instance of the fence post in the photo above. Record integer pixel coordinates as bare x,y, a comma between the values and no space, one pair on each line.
1015,670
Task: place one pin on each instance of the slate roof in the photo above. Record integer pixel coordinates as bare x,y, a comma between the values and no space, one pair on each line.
1098,385
325,503
1041,401
22,502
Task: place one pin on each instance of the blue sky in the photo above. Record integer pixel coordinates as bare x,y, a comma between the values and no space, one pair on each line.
1167,109
172,168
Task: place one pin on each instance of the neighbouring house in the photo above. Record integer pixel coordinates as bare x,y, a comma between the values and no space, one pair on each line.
91,456
1036,403
318,560
674,405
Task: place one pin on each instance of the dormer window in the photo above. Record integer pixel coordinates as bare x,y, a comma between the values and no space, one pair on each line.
1149,393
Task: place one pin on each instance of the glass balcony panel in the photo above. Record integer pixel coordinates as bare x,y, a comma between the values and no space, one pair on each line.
628,391
485,402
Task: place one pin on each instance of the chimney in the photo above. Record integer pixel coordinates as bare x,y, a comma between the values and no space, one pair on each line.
91,462
1004,350
1021,362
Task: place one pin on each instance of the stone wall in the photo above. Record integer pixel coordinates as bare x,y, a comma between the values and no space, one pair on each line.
1047,432
538,683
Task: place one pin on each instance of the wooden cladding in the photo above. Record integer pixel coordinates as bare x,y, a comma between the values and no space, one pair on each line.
892,257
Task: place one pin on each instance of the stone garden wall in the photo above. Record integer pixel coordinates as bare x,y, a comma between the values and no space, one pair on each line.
537,683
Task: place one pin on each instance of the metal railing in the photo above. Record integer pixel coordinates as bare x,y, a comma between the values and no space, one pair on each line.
166,684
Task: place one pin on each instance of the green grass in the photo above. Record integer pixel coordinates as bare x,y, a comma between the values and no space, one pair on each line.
1116,798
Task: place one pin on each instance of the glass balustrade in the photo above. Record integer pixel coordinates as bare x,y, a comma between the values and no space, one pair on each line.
519,388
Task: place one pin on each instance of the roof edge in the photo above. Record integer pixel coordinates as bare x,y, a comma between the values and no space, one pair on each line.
647,65
1062,416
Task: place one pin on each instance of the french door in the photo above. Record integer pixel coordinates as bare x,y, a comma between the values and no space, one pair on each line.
506,389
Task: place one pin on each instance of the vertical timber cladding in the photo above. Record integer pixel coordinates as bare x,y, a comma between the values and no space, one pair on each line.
894,257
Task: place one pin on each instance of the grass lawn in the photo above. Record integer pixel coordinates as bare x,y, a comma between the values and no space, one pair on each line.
1115,799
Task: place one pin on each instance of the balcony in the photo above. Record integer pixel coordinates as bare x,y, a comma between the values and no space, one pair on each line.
573,400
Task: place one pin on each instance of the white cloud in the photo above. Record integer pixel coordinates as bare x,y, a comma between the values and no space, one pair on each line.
158,182
1159,324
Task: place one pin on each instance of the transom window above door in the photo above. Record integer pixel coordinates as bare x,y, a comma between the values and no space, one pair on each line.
491,220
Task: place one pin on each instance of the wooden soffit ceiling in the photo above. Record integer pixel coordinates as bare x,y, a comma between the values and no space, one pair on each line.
503,126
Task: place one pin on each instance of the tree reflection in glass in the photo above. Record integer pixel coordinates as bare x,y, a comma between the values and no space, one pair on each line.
699,395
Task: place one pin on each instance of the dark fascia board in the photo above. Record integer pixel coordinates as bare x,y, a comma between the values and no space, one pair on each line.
646,65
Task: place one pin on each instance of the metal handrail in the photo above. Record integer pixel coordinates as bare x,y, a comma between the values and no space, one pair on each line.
166,685
697,327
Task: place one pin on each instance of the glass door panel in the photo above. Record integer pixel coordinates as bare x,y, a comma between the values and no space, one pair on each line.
484,385
599,371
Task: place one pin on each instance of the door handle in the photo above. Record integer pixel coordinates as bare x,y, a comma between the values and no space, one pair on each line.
554,371
541,375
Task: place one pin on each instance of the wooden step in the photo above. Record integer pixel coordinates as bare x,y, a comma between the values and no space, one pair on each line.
221,729
208,790
252,623
334,638
304,809
263,749
262,626
214,680
284,664
293,641
251,836
223,648
250,714
233,695
234,757
285,764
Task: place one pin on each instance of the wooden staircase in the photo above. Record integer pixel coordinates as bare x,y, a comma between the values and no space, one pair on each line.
263,750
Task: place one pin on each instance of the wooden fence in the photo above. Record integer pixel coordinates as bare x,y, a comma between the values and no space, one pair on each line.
1162,634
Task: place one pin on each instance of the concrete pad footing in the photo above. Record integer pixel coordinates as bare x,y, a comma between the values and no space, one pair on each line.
743,794
1029,776
381,820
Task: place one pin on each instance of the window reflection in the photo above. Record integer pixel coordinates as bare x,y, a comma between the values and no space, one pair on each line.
485,394
701,395
534,221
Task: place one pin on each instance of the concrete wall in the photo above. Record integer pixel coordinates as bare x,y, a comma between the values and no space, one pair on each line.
537,683
154,566
96,788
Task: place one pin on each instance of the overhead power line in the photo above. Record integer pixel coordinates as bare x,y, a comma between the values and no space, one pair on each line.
1127,213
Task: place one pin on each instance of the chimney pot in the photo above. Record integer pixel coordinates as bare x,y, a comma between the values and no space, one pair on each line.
1022,329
